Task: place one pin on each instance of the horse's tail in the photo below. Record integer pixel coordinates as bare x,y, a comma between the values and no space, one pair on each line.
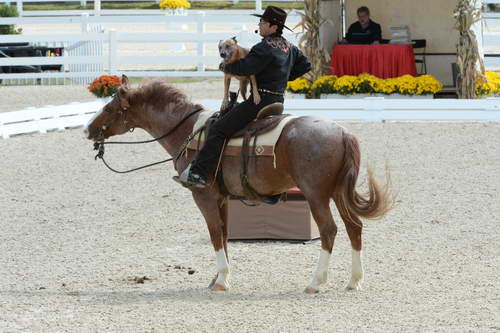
351,204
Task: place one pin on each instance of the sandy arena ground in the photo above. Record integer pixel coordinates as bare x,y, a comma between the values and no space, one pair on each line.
74,236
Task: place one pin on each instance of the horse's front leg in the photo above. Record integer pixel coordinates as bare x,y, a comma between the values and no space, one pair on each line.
211,210
223,211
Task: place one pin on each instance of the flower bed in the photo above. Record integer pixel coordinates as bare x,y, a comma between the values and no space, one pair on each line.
348,85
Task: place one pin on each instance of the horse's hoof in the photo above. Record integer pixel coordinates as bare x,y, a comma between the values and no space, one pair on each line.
211,284
353,287
218,287
310,290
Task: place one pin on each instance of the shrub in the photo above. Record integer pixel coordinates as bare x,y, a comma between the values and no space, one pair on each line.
9,11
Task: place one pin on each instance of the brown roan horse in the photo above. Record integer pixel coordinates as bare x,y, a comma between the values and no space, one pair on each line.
316,155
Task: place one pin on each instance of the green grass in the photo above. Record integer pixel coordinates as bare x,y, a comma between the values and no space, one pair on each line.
140,80
141,5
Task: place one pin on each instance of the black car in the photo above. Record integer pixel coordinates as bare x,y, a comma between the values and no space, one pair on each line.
27,50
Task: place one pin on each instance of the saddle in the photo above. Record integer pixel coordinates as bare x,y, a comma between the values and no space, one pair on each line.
268,118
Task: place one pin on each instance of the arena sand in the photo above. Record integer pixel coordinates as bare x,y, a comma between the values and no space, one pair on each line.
76,239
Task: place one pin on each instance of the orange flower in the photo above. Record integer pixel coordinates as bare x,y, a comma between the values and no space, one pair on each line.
105,85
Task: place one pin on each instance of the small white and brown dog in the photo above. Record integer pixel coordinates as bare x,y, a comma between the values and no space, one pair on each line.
230,52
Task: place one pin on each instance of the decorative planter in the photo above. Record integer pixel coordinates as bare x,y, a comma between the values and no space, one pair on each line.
399,96
337,96
105,100
176,12
296,96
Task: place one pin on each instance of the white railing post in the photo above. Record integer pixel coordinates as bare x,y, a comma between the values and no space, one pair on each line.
83,3
85,22
258,5
200,29
97,7
113,52
243,36
19,4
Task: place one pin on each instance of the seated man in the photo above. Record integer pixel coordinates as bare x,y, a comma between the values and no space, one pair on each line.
364,31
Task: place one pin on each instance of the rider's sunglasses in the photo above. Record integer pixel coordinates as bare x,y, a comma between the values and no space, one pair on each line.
263,21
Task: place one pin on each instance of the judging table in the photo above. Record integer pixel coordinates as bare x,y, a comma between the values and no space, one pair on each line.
382,60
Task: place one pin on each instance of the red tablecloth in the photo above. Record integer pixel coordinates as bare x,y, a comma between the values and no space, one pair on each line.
381,60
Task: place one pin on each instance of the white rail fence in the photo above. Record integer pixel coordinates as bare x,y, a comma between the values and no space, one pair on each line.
374,109
97,4
95,52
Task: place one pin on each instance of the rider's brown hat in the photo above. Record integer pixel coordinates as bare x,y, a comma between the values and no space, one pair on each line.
274,15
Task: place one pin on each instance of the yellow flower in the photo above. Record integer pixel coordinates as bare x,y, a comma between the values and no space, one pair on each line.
345,85
299,86
324,84
489,86
174,4
428,84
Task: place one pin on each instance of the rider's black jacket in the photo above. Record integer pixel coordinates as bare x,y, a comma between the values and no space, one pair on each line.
273,61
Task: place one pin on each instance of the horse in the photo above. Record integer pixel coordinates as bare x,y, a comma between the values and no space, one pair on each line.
316,155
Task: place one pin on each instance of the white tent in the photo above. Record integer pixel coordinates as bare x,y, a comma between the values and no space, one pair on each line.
427,19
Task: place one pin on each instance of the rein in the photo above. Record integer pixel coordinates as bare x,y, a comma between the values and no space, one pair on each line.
99,146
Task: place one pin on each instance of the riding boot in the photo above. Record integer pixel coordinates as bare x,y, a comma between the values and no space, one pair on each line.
189,178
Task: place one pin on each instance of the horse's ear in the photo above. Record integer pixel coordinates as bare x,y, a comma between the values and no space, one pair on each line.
235,41
124,97
125,80
220,42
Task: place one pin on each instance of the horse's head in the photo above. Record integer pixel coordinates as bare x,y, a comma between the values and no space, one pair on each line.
114,118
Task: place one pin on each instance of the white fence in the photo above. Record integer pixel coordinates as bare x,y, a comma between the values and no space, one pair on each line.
97,3
102,54
107,58
375,109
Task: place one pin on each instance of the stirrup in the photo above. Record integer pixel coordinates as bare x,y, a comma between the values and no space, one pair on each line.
274,109
271,200
188,179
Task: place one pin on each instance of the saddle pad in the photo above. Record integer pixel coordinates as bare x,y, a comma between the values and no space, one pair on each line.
264,145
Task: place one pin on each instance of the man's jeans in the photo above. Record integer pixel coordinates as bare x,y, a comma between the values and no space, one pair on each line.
234,120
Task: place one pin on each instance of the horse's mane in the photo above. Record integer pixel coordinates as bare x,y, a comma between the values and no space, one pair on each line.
163,96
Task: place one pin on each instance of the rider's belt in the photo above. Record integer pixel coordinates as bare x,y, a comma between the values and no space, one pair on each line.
271,92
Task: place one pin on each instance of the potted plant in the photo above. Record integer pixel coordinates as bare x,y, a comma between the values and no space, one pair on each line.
345,86
489,86
323,87
105,86
407,86
175,7
299,87
366,85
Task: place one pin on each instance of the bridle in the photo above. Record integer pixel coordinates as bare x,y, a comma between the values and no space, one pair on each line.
121,113
99,145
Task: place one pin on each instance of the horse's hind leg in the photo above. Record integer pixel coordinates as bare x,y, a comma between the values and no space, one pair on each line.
354,228
320,209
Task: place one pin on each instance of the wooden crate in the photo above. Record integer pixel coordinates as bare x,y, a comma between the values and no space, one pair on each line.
289,219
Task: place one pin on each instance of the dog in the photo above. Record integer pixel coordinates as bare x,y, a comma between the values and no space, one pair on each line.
230,51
